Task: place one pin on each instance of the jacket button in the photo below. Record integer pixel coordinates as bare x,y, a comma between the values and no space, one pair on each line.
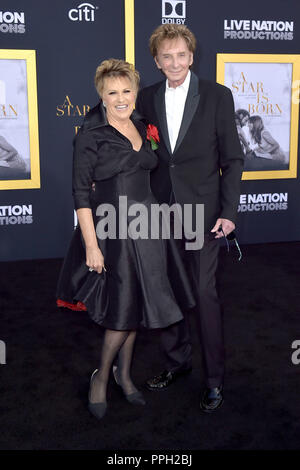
172,166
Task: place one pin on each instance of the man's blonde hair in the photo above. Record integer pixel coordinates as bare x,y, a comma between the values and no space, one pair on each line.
171,31
115,68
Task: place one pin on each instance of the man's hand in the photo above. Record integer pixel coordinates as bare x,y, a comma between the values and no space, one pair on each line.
227,227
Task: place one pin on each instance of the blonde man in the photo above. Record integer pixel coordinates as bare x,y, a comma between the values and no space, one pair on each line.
200,162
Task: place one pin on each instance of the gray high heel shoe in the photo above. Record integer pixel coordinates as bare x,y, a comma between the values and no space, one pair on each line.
135,398
97,409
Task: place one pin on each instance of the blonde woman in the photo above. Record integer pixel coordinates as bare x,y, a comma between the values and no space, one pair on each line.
122,282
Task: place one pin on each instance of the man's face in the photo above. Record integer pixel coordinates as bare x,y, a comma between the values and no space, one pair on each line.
174,59
244,120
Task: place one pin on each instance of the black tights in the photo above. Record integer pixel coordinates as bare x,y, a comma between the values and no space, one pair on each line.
115,342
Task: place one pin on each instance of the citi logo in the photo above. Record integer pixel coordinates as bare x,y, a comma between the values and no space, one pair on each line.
84,12
173,11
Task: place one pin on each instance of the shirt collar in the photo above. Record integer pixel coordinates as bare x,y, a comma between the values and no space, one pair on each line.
184,85
96,117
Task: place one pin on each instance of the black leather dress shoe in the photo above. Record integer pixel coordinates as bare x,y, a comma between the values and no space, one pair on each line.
162,381
212,399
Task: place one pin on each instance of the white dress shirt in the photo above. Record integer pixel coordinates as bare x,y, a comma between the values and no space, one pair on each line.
175,101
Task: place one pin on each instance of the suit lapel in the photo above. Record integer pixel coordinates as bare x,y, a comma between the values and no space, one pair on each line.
191,104
160,108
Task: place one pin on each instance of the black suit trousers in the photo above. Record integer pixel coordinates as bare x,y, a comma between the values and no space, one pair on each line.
176,341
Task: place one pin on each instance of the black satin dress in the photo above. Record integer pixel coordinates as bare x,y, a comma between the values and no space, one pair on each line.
136,289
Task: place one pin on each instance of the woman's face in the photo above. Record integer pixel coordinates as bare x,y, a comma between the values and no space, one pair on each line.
250,125
118,96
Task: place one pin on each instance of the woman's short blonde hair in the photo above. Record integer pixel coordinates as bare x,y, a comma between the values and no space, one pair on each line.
171,31
115,68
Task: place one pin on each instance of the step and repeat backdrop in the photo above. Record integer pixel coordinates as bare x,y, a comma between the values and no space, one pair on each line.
49,52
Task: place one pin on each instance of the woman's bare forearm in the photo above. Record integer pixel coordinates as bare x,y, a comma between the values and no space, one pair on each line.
86,223
94,256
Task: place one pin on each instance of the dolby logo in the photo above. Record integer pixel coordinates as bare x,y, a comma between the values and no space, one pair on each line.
84,12
173,11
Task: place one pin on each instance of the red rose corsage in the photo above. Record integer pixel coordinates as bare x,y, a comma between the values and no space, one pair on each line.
152,135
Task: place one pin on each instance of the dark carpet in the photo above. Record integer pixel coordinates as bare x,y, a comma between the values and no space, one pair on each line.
51,353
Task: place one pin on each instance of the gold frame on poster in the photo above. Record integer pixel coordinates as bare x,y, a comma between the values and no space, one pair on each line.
30,57
293,59
129,31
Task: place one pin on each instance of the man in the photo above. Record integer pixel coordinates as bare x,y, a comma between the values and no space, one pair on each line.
241,120
200,162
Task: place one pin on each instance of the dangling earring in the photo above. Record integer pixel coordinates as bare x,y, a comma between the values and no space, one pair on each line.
104,104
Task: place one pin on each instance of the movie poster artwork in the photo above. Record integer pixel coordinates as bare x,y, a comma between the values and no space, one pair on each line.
19,152
265,116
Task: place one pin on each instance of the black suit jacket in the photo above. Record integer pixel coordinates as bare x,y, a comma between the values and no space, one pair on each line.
207,162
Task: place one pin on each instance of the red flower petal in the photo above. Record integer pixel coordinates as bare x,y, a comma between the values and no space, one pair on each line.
78,307
152,131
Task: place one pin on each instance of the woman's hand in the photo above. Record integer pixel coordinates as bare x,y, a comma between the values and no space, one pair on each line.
95,259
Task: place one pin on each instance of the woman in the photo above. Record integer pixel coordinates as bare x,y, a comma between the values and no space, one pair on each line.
265,145
122,281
